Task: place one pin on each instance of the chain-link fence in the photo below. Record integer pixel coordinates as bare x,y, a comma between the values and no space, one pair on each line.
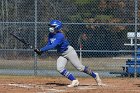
100,26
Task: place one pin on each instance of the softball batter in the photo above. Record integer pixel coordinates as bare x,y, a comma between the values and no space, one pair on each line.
56,39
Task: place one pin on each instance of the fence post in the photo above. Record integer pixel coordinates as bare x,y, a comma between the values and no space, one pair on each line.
136,23
35,57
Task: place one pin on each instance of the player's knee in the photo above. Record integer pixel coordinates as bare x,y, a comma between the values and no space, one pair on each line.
60,68
81,68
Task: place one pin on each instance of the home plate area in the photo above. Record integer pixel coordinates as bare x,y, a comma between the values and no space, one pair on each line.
53,87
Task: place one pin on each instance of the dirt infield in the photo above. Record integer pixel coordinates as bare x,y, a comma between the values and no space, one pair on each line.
31,84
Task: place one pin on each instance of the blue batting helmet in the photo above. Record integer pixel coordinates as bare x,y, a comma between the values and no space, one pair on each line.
56,24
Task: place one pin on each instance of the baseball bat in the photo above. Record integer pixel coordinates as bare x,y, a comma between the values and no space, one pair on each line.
22,40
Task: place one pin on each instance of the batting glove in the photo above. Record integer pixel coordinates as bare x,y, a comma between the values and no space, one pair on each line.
38,51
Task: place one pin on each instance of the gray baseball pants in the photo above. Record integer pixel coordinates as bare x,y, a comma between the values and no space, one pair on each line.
72,56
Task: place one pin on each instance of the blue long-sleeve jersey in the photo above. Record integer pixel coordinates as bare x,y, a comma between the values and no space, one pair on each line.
57,41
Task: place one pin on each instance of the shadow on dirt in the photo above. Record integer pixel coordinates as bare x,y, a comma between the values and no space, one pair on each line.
56,84
138,85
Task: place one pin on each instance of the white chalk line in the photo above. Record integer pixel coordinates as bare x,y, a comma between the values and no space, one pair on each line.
85,88
22,85
113,86
56,90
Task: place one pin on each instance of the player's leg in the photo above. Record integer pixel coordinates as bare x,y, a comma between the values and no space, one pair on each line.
61,63
73,57
94,75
